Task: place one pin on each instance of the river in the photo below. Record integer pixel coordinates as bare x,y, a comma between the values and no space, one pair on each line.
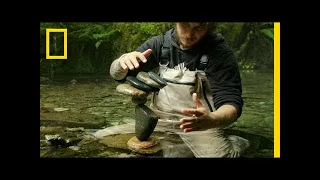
92,102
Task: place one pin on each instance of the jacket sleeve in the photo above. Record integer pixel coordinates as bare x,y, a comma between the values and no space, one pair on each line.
224,78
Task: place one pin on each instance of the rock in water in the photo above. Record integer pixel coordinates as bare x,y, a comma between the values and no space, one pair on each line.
146,121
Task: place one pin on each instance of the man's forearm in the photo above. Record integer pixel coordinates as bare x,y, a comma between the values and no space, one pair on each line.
116,71
225,115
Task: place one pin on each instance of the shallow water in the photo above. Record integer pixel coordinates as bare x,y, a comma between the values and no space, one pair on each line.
92,102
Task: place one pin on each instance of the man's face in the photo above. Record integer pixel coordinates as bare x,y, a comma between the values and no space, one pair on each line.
190,33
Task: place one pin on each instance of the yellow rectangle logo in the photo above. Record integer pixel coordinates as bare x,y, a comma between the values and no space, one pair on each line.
48,43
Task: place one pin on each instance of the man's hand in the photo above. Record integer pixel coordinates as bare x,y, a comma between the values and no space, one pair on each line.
131,60
201,118
120,67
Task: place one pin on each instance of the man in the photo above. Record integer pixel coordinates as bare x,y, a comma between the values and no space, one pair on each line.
204,92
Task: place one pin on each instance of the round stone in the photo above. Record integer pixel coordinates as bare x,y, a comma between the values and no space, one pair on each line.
150,146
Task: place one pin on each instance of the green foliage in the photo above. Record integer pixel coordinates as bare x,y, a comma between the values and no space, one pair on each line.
105,37
268,32
93,46
230,31
267,29
247,65
253,45
134,34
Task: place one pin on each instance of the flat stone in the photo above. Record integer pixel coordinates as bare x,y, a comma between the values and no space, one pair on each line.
170,144
140,85
149,146
127,89
144,77
130,143
157,78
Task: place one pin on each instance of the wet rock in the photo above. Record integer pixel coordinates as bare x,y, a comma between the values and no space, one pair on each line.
75,148
127,89
146,121
57,140
78,129
139,101
144,77
140,85
150,146
60,109
118,141
135,143
128,144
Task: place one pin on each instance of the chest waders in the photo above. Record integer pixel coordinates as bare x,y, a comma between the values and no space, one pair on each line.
177,95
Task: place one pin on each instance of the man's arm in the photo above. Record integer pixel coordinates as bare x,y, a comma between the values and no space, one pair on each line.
148,51
225,81
116,70
225,115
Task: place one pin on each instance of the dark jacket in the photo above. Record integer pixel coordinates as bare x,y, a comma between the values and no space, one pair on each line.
222,68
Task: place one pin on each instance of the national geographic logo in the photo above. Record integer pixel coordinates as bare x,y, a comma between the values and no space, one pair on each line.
48,31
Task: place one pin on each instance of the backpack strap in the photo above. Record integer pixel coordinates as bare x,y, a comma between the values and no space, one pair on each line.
203,62
166,47
204,58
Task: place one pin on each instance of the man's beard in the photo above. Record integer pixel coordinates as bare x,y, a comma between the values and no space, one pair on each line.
178,39
180,43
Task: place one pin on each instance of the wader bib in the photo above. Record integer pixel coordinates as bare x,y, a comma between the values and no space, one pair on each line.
177,95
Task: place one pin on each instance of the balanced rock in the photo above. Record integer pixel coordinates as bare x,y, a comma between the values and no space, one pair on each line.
151,146
127,89
140,85
157,78
144,77
146,121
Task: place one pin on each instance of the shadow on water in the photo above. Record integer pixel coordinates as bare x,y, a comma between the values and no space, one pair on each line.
90,102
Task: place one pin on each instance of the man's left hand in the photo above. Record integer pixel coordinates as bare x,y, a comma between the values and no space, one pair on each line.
201,118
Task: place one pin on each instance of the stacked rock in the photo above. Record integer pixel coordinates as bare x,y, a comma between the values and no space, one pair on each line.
146,120
147,82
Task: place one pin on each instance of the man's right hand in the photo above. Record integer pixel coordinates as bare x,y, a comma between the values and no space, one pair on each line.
131,60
